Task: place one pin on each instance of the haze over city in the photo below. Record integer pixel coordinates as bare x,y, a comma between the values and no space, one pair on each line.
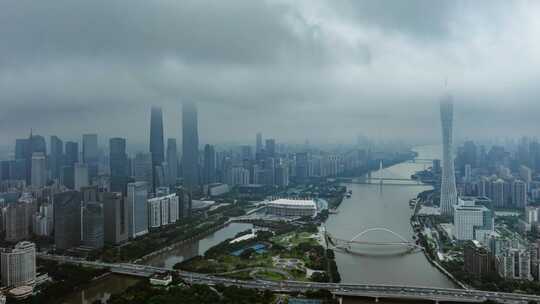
322,70
269,151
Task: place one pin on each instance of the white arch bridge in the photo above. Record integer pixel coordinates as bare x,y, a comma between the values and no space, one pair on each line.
360,240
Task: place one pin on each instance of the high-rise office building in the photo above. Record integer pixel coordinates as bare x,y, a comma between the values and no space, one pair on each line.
477,260
118,163
246,153
514,264
93,224
302,165
81,176
184,202
72,153
472,221
190,145
470,154
68,177
172,162
282,175
42,221
115,217
519,194
137,194
39,169
498,193
91,154
16,220
270,147
67,219
18,265
56,157
448,185
142,168
24,148
238,176
209,170
156,136
156,140
525,173
38,144
259,143
163,210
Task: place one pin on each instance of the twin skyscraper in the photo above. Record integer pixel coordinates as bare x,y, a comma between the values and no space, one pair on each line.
190,148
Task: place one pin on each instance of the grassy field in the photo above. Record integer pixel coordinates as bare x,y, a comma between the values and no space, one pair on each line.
271,276
293,239
287,246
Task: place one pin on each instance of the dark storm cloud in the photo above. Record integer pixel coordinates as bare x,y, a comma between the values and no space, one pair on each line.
292,69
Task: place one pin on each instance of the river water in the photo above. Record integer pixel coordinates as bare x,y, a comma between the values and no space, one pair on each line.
373,206
170,258
370,206
102,289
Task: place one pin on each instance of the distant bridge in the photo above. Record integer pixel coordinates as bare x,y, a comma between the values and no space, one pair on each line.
392,180
358,240
424,161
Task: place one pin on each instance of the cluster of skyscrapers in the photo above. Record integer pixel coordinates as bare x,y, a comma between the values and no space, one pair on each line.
478,182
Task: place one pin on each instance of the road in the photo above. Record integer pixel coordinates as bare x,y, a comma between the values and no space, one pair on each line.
361,290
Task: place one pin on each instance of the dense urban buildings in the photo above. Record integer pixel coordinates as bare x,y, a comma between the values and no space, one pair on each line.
147,192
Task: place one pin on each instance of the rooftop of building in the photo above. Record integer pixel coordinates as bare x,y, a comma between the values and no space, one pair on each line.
293,202
158,198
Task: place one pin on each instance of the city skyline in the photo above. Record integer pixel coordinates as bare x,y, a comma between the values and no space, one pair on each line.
270,151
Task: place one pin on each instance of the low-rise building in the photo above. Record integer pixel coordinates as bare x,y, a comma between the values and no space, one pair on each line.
161,279
292,207
217,189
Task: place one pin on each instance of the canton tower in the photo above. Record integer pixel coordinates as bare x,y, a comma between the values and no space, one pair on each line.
448,185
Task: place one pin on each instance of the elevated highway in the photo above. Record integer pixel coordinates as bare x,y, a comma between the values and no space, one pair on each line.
359,290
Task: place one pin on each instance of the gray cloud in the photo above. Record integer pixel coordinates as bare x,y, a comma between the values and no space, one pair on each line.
325,70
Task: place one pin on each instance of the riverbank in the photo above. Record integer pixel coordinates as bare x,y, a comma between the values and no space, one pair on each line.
429,252
383,207
288,250
191,239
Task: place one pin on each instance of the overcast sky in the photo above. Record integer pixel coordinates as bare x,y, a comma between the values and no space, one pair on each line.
324,70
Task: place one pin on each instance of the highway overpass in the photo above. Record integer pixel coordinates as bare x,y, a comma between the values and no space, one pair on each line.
375,291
